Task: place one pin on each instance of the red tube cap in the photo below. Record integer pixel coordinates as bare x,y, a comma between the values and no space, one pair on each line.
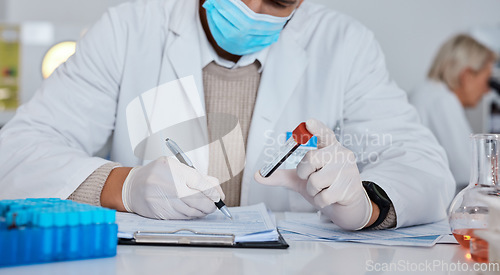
301,135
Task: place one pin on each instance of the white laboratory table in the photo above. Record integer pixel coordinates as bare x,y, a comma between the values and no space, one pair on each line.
300,258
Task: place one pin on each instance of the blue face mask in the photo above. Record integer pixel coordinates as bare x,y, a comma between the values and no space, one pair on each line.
239,30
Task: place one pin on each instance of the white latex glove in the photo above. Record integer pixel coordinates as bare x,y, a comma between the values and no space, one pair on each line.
329,179
168,189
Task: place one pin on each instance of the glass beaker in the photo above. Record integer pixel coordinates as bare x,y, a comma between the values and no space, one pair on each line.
467,212
482,238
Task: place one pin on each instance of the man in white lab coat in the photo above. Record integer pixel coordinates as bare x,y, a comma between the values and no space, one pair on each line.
272,64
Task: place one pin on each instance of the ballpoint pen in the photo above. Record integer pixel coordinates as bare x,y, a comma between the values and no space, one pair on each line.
179,154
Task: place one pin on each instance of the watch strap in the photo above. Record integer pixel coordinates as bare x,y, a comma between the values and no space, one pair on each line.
378,196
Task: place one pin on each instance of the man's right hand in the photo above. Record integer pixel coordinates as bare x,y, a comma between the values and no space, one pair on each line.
168,189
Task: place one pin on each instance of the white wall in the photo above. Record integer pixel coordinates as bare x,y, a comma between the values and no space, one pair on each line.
411,31
2,9
68,19
73,12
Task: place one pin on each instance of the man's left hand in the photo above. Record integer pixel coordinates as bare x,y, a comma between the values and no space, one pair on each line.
329,179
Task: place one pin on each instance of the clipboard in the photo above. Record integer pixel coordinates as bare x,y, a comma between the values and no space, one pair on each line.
197,239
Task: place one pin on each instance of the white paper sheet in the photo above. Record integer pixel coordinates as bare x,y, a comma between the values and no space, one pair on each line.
247,222
308,226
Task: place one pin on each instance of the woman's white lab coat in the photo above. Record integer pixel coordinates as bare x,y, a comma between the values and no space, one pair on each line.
442,112
325,66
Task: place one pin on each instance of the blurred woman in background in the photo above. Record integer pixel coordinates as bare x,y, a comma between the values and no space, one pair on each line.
458,79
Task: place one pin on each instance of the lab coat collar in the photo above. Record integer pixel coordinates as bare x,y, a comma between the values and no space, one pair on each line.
181,42
180,20
285,66
287,62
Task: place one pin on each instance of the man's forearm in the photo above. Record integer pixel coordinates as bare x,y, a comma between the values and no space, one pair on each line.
375,214
90,190
111,195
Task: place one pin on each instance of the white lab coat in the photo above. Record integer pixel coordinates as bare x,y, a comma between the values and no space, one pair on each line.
441,111
325,66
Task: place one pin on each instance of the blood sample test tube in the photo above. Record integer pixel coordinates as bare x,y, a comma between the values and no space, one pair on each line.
299,137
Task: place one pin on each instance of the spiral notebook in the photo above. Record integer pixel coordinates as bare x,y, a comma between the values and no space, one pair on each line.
251,227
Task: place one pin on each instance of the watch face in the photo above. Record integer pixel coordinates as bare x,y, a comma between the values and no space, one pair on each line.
375,190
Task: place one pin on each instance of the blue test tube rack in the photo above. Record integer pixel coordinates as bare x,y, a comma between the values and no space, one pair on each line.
48,230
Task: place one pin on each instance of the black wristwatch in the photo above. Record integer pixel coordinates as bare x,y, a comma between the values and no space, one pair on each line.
380,198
